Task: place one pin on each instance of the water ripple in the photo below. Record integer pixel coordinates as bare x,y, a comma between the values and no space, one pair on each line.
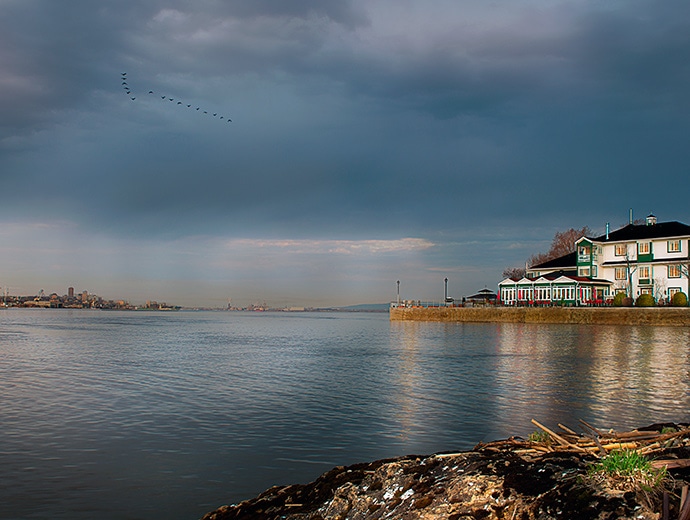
147,415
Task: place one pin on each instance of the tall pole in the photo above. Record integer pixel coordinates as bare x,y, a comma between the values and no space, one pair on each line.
398,283
445,291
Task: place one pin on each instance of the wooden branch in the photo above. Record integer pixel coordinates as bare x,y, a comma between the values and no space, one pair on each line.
557,437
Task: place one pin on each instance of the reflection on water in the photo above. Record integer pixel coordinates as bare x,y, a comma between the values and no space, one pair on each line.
148,415
502,375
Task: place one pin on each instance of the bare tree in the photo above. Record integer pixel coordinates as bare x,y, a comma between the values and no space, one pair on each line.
660,290
513,272
562,244
630,268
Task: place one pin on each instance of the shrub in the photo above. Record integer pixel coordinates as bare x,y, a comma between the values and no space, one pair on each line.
645,300
618,299
679,299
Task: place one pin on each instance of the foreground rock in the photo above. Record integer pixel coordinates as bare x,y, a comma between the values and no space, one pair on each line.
501,480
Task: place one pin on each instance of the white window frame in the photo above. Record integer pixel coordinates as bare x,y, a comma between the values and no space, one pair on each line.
644,269
644,248
674,246
674,271
620,249
621,273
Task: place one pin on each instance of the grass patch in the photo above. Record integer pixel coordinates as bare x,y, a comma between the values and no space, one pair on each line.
627,470
539,436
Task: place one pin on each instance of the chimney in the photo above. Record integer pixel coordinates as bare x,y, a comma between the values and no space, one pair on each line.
607,230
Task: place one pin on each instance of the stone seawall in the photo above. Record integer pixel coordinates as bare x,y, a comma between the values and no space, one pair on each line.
665,316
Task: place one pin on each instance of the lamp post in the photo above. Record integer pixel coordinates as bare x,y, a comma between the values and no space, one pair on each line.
398,283
445,290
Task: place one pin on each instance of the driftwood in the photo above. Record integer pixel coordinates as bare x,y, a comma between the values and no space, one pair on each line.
653,441
597,442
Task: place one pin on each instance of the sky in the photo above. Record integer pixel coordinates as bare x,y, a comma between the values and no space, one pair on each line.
370,142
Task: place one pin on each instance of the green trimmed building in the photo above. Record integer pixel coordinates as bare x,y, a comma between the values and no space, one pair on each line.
650,258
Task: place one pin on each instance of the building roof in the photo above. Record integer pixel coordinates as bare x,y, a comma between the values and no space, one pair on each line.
484,294
569,260
646,232
551,277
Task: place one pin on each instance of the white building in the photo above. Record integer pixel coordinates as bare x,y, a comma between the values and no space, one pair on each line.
636,259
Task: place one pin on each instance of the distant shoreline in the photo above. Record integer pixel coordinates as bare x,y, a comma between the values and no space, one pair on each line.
656,316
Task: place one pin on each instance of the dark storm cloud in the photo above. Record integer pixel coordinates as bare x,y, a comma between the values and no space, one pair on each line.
476,129
441,111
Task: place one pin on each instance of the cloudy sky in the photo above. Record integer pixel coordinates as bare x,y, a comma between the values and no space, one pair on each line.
371,141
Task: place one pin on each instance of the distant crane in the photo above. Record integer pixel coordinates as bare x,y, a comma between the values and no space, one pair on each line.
39,296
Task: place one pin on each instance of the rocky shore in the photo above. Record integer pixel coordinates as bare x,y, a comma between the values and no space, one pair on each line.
514,479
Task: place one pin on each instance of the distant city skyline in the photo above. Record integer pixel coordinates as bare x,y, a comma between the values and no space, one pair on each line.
369,142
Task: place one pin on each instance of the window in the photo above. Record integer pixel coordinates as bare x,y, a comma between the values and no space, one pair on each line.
583,271
673,246
621,249
594,271
621,273
643,248
672,291
585,250
644,272
674,271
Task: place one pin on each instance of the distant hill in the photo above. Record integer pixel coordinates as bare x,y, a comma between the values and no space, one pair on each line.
367,307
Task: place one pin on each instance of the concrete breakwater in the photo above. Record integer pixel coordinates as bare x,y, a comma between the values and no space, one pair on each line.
663,316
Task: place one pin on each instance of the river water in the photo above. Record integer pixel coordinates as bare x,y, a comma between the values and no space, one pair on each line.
142,415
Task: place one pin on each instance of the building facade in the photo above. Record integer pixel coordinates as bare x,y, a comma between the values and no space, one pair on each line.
650,258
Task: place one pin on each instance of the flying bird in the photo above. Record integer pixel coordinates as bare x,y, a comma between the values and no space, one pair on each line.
128,91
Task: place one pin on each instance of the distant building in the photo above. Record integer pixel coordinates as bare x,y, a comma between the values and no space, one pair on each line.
650,258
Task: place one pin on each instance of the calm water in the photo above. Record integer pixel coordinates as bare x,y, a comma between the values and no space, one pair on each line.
129,415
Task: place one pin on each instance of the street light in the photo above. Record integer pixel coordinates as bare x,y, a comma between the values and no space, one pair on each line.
398,282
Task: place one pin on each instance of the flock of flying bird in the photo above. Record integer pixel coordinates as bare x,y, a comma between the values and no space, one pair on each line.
128,91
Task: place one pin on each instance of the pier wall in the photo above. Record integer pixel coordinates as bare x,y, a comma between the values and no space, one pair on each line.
666,316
